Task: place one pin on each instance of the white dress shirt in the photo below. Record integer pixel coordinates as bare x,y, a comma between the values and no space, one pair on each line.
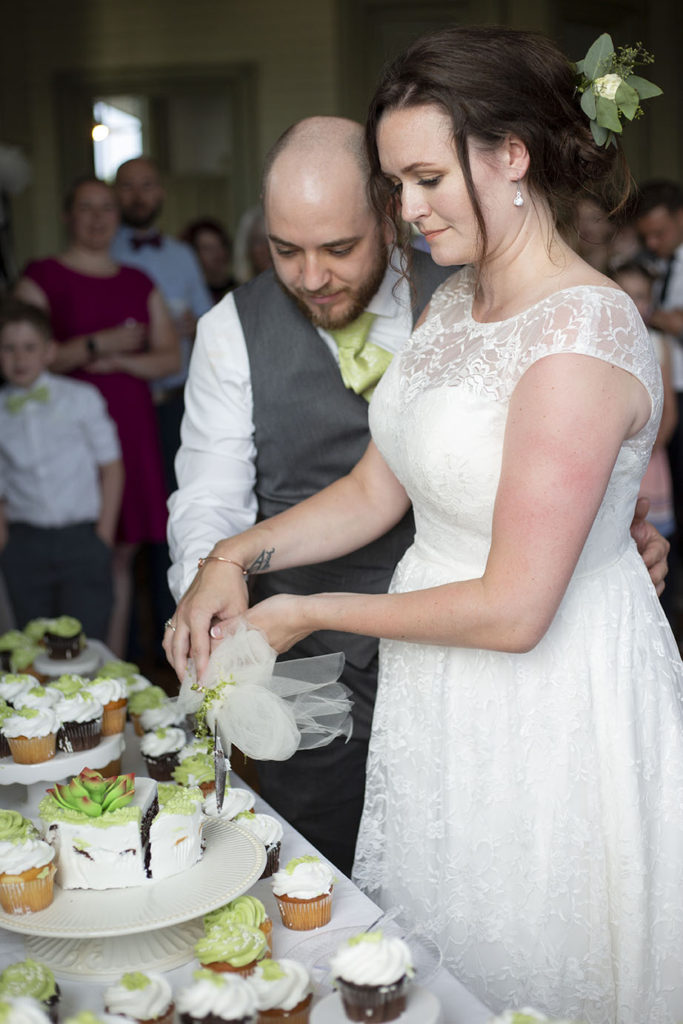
50,453
215,465
674,300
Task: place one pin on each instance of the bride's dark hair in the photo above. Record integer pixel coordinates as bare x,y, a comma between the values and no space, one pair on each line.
492,83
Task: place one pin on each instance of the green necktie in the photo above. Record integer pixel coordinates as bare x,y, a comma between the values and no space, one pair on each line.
15,403
361,362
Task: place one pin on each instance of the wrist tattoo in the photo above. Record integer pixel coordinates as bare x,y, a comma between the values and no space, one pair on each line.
262,562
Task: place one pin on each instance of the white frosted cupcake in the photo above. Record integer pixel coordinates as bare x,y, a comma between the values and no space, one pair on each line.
160,750
372,973
113,696
235,801
22,1010
167,714
217,997
269,831
81,716
146,998
27,876
32,734
37,697
199,745
303,890
14,684
283,991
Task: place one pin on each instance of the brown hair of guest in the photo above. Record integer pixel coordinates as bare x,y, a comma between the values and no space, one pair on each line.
492,83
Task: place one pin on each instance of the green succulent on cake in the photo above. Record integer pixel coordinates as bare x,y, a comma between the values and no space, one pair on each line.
90,793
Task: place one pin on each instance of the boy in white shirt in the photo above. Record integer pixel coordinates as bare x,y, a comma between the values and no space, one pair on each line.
61,479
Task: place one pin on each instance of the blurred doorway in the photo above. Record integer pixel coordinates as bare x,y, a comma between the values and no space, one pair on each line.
197,123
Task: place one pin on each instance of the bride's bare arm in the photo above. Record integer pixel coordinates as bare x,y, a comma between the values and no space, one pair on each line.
567,420
343,517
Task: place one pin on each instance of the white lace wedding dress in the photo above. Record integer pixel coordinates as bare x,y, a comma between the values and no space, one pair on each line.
527,809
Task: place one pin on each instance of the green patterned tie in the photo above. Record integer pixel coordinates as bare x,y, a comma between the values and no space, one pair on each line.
15,403
361,362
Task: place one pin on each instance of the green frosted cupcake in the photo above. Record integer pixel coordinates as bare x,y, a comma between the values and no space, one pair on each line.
232,948
32,979
64,638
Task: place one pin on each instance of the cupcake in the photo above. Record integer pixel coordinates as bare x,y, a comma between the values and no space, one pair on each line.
196,771
304,893
35,981
22,658
9,642
32,734
116,669
160,751
143,700
15,828
168,713
217,999
283,992
22,1010
26,876
67,684
5,712
81,718
231,948
244,910
113,696
35,630
269,831
372,974
199,745
235,801
146,998
37,697
64,638
12,685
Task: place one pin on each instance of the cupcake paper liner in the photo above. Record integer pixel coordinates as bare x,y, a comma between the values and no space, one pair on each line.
302,915
74,736
33,749
297,1015
161,768
114,717
27,896
222,967
375,1003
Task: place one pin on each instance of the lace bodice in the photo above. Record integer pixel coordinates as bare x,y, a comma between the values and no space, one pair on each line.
452,383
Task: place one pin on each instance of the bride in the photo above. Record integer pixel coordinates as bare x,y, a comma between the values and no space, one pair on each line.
525,778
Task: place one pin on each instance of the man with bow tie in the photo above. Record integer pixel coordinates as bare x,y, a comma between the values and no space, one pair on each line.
277,407
173,267
61,480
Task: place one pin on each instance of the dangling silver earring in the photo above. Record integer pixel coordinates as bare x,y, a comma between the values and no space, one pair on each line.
519,198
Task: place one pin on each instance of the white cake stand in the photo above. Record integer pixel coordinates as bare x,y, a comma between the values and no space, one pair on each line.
101,935
91,657
62,764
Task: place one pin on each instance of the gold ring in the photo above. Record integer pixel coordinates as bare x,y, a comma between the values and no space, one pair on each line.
169,625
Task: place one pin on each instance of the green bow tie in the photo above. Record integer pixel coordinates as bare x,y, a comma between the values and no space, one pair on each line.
361,362
15,403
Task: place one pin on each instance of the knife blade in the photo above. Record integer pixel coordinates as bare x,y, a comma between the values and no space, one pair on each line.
219,768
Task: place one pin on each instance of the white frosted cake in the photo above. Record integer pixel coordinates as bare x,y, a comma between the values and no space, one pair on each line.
137,833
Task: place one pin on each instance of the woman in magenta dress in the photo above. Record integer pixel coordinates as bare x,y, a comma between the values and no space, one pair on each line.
115,332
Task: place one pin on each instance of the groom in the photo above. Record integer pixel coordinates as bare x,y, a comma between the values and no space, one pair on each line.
276,407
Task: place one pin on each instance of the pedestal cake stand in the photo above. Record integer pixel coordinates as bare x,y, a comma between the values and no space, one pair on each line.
100,935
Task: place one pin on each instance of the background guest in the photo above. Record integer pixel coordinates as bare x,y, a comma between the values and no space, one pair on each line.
113,330
61,480
252,253
213,246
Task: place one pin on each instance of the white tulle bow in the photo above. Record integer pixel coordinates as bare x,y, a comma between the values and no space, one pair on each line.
269,710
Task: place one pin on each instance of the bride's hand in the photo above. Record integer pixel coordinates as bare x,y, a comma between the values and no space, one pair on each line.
218,591
283,618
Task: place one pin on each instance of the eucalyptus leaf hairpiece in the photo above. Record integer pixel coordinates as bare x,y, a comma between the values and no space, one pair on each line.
609,89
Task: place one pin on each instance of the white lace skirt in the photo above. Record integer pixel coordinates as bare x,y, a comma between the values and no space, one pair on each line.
527,810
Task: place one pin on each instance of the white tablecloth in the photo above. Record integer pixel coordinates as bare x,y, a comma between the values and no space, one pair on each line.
350,909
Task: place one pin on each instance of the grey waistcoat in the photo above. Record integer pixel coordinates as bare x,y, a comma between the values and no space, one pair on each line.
309,430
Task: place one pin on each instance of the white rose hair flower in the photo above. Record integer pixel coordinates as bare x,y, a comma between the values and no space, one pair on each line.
609,89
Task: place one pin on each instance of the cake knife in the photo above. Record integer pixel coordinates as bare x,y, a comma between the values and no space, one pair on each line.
219,768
